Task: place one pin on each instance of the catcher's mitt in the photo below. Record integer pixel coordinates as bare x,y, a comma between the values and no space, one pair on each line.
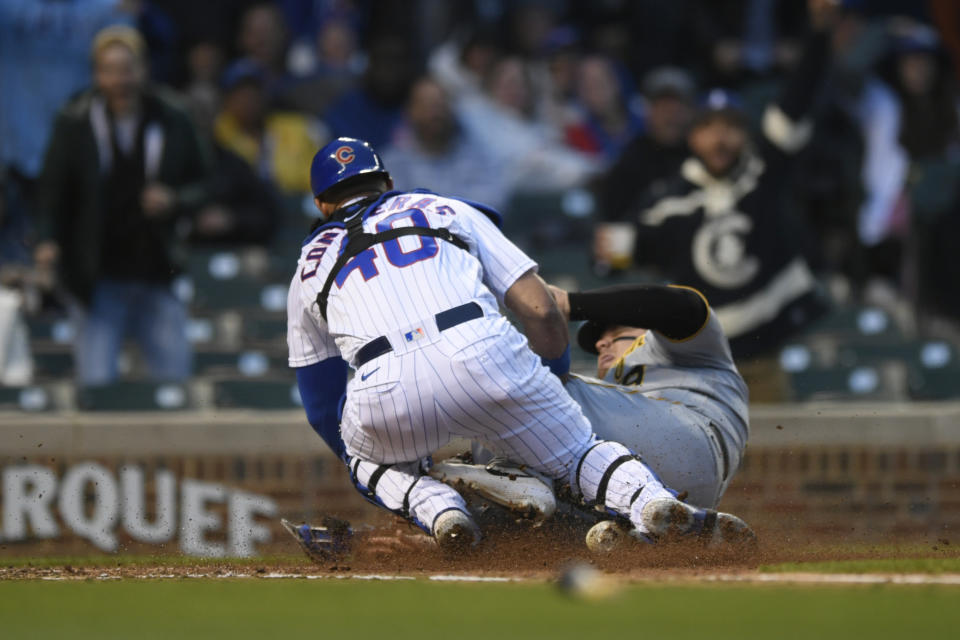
324,543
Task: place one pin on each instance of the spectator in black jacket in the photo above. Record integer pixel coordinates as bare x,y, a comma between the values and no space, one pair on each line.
651,158
723,225
123,166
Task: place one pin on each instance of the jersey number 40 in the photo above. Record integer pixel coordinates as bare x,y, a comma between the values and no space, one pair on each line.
364,261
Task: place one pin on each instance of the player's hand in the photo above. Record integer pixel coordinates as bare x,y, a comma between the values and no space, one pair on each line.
157,200
562,300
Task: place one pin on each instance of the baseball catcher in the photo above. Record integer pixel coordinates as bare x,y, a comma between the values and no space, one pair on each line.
406,288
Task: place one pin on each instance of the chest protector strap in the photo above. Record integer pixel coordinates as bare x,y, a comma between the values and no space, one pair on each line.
359,241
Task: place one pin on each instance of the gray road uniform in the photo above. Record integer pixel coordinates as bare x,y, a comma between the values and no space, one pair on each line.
679,403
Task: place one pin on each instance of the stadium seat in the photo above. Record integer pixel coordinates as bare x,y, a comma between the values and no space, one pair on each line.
857,321
842,383
239,293
55,329
935,384
544,219
266,329
31,398
281,265
795,358
526,210
136,396
53,364
572,261
202,330
287,242
247,363
934,371
860,351
570,267
298,211
256,394
218,265
933,187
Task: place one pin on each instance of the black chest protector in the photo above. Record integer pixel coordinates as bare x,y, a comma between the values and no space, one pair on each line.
359,241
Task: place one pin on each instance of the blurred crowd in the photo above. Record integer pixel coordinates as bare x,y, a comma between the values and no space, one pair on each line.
134,130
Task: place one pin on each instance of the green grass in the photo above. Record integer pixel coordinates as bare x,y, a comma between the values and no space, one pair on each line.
880,565
327,608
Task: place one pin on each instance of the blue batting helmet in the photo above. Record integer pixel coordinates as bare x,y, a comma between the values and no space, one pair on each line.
342,159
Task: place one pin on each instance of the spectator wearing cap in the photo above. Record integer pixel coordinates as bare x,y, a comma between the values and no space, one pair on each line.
124,165
656,153
432,151
722,226
276,144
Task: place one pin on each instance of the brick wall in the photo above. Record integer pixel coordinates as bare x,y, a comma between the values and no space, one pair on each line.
809,471
856,491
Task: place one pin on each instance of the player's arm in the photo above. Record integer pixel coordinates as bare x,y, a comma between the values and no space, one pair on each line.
685,331
546,329
512,277
676,312
321,372
322,387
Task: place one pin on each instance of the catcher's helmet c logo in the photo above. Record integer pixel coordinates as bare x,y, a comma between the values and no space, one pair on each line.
344,155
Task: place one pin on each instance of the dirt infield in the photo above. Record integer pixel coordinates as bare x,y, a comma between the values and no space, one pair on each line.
538,554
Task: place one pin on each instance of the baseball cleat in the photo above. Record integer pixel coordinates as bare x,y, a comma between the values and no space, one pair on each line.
455,532
520,490
324,543
667,519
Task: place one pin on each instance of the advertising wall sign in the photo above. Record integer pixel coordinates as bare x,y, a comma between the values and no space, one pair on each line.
207,519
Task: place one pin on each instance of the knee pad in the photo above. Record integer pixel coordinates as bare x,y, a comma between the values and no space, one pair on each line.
404,490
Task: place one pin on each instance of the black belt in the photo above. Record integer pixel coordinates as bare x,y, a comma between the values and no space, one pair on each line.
445,319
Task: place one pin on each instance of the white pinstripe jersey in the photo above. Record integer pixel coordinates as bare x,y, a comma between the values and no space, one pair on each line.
389,288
